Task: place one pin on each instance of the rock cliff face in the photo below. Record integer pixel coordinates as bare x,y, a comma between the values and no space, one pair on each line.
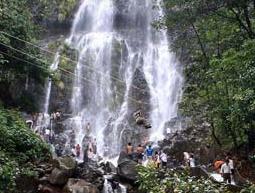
62,88
59,17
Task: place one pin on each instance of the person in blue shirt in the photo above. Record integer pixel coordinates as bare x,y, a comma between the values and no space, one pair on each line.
149,152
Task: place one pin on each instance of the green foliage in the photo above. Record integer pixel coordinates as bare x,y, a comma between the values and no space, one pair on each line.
17,20
217,40
249,189
48,8
152,180
8,170
18,147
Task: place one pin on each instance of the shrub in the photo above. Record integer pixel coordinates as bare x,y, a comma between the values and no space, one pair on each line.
18,146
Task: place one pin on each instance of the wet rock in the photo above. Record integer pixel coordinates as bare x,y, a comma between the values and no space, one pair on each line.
64,168
110,168
27,184
44,180
48,189
59,177
127,168
66,163
91,174
79,186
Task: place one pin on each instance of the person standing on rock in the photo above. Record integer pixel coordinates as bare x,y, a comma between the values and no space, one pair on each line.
47,135
149,152
78,150
186,157
157,159
73,154
231,165
140,151
90,154
225,171
168,133
88,129
192,165
163,158
129,150
94,146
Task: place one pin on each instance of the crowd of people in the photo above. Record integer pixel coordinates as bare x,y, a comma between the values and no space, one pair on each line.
41,123
142,154
224,167
146,155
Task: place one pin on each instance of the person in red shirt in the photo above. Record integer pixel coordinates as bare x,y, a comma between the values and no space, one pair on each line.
78,150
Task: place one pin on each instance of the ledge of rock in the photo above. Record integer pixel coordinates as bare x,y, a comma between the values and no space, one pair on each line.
64,168
79,186
127,168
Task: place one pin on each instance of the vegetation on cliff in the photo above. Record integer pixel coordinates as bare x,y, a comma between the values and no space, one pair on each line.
20,62
20,149
216,39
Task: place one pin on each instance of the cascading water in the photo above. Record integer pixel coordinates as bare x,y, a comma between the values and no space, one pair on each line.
115,42
92,37
43,120
163,78
53,67
108,187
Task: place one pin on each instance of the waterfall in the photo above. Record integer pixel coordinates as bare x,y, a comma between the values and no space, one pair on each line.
118,47
163,78
43,120
92,36
53,67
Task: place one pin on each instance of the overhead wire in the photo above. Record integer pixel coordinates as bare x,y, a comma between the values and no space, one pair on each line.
75,62
61,69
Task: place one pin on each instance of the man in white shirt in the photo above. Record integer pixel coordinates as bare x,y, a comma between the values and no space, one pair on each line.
225,171
232,169
192,161
192,165
231,163
47,135
163,158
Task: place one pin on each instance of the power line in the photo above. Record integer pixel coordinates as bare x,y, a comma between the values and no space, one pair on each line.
74,61
64,70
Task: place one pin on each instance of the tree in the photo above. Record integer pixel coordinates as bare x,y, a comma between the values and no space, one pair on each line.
216,39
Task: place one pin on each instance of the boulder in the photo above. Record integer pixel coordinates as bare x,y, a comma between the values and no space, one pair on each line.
48,189
91,174
26,183
127,168
59,177
110,168
64,168
66,163
79,186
